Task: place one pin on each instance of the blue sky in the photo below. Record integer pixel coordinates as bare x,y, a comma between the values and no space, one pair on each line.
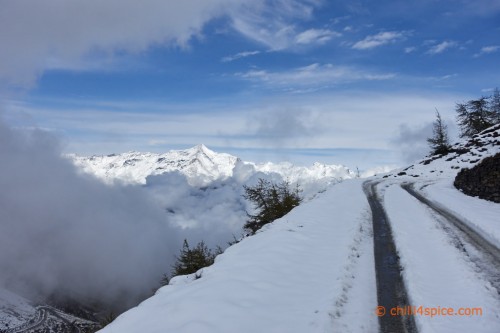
351,82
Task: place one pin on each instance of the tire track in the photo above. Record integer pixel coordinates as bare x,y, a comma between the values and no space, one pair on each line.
486,256
391,291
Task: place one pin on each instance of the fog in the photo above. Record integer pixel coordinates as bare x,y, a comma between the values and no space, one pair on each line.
214,213
411,142
69,234
66,233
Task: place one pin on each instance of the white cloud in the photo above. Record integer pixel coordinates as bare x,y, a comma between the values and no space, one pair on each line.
411,141
441,47
314,75
286,125
239,56
315,36
382,38
35,34
330,119
487,50
272,23
410,49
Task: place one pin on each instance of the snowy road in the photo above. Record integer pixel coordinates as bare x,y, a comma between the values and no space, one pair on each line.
483,253
441,267
391,291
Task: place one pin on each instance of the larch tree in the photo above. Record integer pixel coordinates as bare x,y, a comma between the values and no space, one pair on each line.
439,142
474,117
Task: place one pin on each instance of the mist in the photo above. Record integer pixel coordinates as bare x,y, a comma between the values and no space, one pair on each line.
65,233
68,234
214,213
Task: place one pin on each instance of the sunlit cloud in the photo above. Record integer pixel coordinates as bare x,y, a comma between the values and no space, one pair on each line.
487,50
316,36
382,38
274,24
441,47
239,56
314,75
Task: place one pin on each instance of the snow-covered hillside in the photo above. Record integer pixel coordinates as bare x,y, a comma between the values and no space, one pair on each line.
20,315
14,309
319,269
200,165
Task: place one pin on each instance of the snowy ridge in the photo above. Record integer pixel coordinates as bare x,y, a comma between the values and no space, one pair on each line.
199,164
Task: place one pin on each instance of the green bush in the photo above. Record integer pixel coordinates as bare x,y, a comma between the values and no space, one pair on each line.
191,260
271,201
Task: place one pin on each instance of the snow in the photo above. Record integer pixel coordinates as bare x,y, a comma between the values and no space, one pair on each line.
200,190
313,270
482,215
201,166
435,271
14,309
310,271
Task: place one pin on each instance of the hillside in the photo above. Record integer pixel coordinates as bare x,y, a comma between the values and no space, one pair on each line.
407,238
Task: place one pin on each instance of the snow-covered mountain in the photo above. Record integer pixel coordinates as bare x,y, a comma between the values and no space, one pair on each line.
320,267
199,164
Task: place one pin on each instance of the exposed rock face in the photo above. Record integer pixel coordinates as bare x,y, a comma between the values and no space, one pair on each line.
482,181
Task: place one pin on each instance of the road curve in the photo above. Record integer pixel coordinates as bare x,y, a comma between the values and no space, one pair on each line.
37,321
391,291
40,319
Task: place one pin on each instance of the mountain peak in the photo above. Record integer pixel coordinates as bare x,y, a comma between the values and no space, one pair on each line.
201,148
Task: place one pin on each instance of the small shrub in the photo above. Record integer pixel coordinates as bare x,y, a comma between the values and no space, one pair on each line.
191,260
272,202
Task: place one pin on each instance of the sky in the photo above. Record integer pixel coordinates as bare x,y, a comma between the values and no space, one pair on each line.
340,82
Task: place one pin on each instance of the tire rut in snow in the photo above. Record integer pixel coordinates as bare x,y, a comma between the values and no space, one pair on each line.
463,236
391,291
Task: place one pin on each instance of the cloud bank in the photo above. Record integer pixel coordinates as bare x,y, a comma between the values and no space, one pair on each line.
51,34
35,34
63,233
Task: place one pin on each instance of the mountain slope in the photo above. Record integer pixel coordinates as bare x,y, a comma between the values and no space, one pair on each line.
313,270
